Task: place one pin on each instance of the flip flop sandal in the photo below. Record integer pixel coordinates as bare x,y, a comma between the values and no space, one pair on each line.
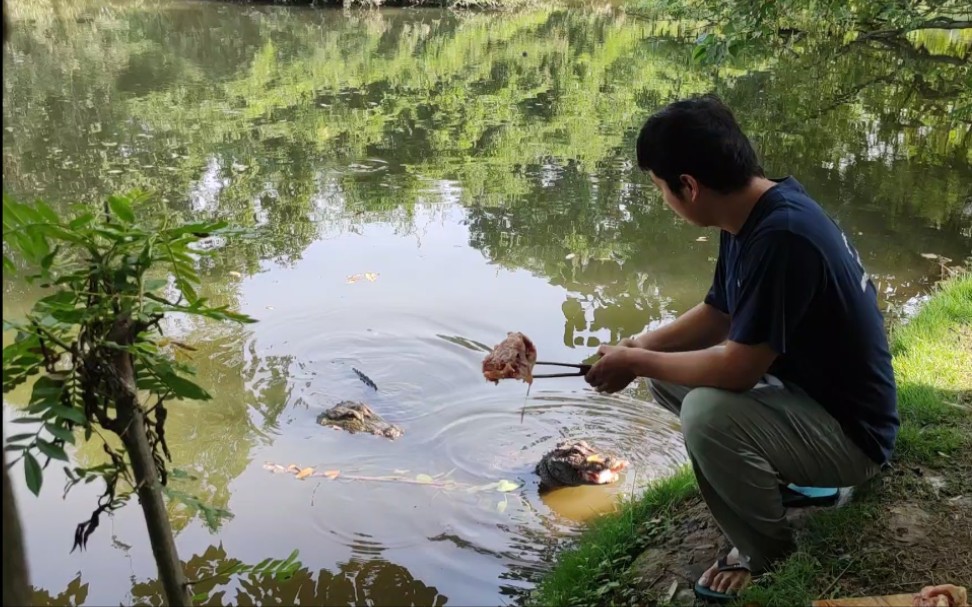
795,496
711,596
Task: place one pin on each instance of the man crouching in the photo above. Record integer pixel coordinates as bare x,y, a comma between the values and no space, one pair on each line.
782,375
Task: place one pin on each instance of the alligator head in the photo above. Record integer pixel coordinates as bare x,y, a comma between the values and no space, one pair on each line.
574,463
358,417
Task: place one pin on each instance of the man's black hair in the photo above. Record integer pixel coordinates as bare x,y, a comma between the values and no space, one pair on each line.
699,137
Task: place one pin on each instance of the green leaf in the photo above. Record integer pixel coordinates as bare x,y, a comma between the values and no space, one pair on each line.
698,53
60,432
122,208
51,450
27,420
75,415
47,391
154,284
200,597
19,437
291,561
33,474
183,388
81,221
49,258
195,228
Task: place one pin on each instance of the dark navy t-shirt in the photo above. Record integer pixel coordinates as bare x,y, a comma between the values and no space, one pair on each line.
791,278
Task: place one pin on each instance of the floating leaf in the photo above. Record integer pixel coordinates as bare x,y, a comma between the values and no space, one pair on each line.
293,468
369,276
305,473
424,478
506,486
929,256
332,474
501,506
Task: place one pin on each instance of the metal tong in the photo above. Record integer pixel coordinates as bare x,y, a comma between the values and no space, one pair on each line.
581,370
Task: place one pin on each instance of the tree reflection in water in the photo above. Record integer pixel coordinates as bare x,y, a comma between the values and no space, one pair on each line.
373,582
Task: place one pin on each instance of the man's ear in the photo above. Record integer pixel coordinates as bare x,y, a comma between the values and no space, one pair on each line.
690,188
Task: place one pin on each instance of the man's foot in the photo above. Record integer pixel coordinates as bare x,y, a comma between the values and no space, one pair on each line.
725,579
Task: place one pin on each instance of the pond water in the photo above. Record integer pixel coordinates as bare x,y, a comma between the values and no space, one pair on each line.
426,181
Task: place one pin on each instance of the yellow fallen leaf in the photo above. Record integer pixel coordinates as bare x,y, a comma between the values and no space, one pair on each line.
305,473
505,486
293,468
369,276
332,474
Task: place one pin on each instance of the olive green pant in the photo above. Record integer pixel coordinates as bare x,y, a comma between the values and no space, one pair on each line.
744,446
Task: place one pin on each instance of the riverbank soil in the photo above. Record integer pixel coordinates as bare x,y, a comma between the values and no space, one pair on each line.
909,528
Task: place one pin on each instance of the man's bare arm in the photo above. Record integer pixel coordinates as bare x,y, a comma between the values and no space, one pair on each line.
733,366
701,327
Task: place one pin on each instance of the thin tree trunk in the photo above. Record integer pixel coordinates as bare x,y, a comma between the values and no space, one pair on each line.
15,575
171,575
131,422
16,578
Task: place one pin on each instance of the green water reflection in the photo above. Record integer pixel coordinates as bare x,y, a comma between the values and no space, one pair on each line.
483,166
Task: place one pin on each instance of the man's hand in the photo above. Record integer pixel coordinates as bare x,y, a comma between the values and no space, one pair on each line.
736,367
612,372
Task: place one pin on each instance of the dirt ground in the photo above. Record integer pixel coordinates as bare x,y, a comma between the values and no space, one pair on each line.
912,527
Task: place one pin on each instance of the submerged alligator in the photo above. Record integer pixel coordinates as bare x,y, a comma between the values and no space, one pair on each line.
357,417
572,463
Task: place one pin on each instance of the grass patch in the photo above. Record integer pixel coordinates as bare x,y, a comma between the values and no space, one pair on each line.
852,550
